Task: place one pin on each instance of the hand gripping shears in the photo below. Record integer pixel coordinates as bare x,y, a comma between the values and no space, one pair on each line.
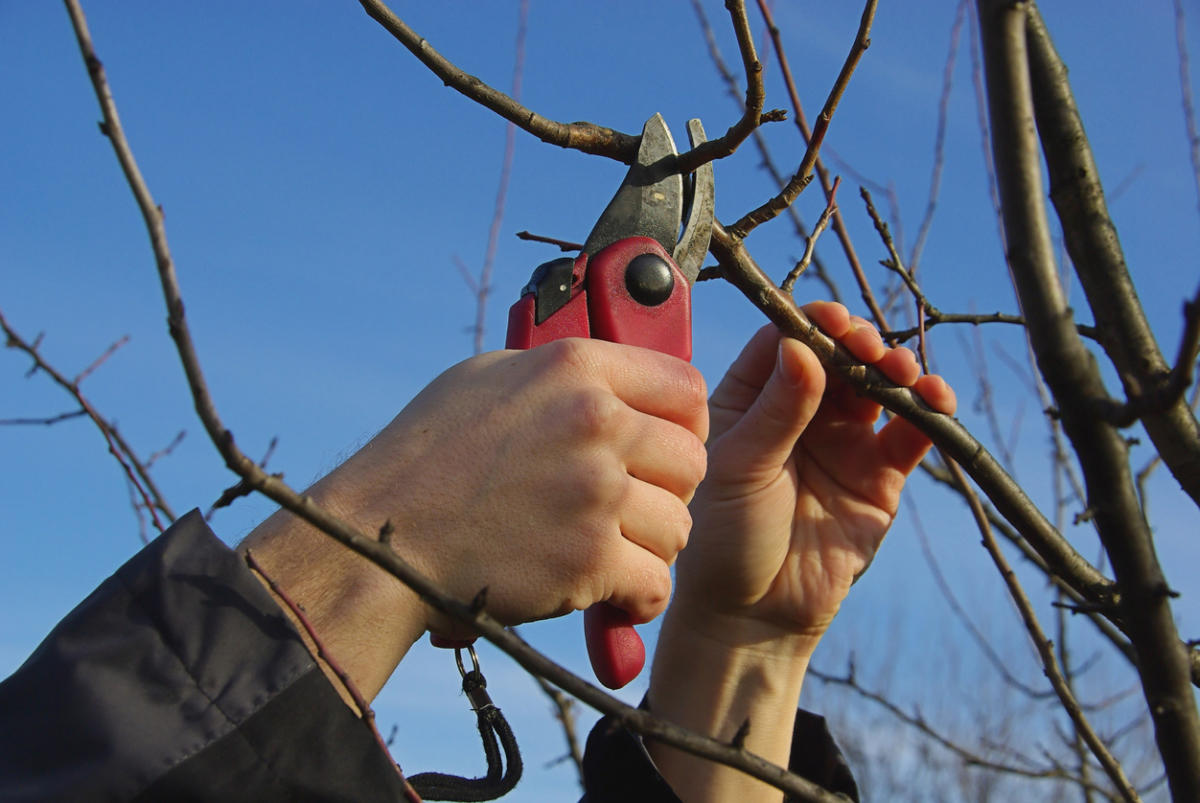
631,284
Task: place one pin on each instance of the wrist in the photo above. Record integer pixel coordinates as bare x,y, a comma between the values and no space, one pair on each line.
365,618
715,681
740,634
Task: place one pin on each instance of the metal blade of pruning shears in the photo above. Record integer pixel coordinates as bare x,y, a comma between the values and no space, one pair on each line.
653,200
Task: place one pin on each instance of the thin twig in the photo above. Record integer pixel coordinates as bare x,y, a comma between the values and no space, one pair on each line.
839,224
999,663
804,173
483,286
1185,90
939,140
894,263
47,421
918,722
147,492
752,108
563,245
811,241
733,91
111,350
1044,647
586,137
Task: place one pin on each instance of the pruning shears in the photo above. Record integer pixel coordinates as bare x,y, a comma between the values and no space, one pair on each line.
630,284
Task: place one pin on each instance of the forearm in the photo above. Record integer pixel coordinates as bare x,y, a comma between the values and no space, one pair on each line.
715,683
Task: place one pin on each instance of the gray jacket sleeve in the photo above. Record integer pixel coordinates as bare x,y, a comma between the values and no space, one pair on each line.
180,679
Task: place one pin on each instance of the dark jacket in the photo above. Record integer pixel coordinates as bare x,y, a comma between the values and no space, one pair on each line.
180,679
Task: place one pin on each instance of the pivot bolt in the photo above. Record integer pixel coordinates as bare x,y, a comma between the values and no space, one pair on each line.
649,279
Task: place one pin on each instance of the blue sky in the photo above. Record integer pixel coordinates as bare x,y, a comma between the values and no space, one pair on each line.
319,185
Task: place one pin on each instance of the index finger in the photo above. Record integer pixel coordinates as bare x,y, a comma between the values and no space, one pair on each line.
648,381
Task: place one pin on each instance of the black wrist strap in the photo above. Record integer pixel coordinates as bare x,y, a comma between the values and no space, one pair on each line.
497,738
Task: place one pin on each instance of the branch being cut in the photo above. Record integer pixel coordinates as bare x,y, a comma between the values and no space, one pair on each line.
947,433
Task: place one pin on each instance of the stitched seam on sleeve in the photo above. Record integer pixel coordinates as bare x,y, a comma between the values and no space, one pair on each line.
160,631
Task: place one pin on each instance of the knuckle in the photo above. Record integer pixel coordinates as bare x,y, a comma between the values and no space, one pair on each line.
598,484
657,591
694,464
694,395
679,527
595,413
569,355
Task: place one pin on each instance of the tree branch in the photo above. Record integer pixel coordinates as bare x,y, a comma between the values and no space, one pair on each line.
581,136
947,433
145,489
918,722
1073,378
731,85
1045,649
810,244
752,113
803,176
1095,250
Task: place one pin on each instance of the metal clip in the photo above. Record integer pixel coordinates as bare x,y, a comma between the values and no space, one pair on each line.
474,684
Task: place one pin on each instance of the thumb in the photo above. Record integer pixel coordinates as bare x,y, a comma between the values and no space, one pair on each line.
760,443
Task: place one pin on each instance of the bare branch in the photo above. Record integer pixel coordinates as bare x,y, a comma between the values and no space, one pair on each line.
585,137
1045,649
145,490
804,174
811,241
1185,90
731,85
918,722
739,268
752,113
939,140
483,286
111,350
47,421
1091,240
1070,370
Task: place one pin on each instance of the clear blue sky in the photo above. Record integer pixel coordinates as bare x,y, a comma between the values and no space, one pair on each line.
319,185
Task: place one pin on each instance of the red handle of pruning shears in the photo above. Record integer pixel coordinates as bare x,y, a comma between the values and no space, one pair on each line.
632,285
604,297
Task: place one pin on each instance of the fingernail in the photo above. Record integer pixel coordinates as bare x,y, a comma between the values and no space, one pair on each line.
792,373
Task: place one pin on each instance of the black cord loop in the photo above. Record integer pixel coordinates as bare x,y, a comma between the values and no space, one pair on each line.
497,737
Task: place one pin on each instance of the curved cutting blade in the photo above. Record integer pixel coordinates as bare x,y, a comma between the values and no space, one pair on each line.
693,243
649,202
